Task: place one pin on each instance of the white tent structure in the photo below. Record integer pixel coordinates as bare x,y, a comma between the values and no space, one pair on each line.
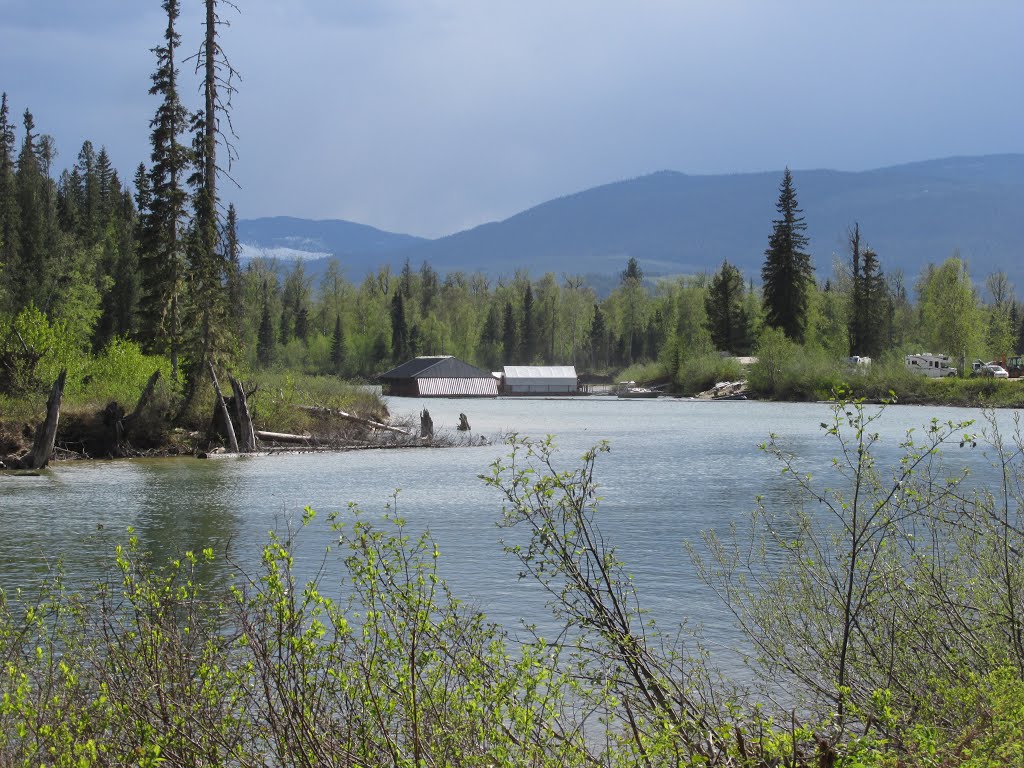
540,380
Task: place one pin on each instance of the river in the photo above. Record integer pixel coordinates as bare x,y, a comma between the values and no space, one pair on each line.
676,468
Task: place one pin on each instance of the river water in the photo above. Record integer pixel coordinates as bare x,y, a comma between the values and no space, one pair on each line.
676,468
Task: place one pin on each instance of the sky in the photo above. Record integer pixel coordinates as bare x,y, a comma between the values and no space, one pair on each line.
428,117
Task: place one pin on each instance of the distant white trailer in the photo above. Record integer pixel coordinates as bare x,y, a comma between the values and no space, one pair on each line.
927,364
540,380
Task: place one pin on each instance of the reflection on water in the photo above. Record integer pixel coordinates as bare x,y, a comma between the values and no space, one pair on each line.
676,468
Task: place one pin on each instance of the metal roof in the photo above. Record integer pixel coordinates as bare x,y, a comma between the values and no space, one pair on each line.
466,387
437,367
544,372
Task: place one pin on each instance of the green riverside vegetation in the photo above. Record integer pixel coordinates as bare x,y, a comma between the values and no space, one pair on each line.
885,611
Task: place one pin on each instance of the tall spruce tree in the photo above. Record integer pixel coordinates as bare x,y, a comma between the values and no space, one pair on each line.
265,336
207,260
29,266
787,272
10,217
869,313
162,258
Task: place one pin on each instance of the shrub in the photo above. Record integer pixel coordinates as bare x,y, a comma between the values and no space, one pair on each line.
700,373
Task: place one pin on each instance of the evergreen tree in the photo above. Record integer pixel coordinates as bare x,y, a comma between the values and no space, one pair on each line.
869,301
265,336
875,295
490,338
162,258
10,216
338,346
232,251
631,284
598,339
208,265
428,288
787,272
725,307
529,334
510,336
399,329
30,273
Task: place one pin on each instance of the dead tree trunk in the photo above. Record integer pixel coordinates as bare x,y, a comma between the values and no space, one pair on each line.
426,426
245,428
46,433
229,428
119,425
147,395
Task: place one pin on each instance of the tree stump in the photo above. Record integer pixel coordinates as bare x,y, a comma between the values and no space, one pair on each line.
426,425
463,423
46,433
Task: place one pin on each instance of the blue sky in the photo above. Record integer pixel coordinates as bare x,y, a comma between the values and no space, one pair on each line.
431,116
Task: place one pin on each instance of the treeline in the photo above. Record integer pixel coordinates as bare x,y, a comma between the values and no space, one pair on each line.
88,260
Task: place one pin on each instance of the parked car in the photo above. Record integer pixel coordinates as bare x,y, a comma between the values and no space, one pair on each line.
993,370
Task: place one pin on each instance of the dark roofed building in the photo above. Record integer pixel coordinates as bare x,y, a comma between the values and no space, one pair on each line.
444,376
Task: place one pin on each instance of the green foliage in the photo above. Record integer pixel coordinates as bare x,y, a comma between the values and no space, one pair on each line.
643,373
701,372
885,593
34,351
120,373
786,371
279,397
949,309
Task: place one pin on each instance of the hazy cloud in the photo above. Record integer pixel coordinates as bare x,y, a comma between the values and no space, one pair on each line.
426,116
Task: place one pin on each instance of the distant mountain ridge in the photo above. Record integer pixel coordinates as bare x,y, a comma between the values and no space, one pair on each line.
674,223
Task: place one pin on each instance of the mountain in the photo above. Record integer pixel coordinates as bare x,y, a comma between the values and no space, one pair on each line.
285,236
674,223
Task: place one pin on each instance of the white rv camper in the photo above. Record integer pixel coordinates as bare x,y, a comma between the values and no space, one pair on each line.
933,366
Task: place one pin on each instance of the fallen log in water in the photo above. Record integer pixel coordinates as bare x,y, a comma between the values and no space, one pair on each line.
282,437
352,417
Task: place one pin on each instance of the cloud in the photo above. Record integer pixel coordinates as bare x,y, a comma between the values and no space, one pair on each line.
426,116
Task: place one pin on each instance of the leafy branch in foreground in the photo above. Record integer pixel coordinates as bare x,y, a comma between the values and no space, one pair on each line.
658,692
878,579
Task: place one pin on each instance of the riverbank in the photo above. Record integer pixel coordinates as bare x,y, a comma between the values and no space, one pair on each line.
298,419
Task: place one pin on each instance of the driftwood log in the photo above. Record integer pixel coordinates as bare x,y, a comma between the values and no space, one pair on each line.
46,433
316,409
282,437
